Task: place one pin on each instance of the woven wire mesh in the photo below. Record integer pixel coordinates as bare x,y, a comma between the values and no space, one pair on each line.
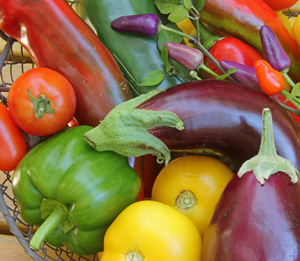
13,62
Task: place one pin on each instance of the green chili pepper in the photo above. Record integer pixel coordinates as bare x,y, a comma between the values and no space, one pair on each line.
137,55
72,192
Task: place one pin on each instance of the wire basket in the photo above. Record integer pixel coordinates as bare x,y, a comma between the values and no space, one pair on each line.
14,61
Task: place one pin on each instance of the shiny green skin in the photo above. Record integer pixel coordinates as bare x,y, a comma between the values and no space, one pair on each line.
94,186
137,55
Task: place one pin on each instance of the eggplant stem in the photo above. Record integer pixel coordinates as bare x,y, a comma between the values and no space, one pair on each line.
124,130
267,161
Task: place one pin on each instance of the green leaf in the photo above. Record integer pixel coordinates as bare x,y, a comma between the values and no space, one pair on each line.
165,57
167,6
153,78
166,36
178,14
224,76
199,4
296,90
188,4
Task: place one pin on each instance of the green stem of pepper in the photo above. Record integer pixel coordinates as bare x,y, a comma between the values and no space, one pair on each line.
46,228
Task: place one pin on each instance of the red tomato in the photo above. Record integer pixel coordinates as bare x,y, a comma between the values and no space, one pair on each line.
231,49
58,94
278,5
12,145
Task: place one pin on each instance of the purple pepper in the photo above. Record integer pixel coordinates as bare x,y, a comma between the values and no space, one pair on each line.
189,57
245,74
143,24
272,49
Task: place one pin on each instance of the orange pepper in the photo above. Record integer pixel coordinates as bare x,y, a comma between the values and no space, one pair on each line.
270,80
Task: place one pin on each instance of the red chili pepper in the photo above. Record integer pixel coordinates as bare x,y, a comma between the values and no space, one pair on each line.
58,39
270,80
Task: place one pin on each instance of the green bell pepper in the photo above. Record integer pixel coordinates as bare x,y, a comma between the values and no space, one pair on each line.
72,192
137,55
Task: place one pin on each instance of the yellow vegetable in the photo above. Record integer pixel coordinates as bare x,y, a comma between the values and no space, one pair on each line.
151,231
188,28
192,185
296,30
285,20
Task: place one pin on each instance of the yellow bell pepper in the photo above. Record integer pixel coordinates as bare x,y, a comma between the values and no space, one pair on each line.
193,186
152,231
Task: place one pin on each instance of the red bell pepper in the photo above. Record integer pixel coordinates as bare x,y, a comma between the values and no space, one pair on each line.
58,39
243,19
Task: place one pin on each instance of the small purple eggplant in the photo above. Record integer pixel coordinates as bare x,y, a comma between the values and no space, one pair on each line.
272,50
143,24
245,74
189,57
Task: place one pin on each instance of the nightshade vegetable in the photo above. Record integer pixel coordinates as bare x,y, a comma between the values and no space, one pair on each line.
273,51
220,116
258,214
245,74
189,57
72,192
243,19
56,38
143,24
136,55
270,80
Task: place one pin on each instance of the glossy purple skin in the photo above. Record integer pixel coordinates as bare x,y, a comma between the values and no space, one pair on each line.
252,222
144,24
189,57
272,50
225,117
245,74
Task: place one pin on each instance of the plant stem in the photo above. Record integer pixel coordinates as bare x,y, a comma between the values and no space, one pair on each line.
46,228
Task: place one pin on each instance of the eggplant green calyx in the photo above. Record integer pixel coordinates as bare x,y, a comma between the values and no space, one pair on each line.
267,161
55,215
124,130
41,105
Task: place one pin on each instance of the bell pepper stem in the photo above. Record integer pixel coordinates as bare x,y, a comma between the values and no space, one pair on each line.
267,161
55,218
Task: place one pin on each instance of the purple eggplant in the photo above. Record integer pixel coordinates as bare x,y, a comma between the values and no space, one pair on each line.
218,116
245,74
144,24
258,215
272,50
189,57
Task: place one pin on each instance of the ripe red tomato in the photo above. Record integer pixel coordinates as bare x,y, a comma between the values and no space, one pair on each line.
12,145
279,5
50,90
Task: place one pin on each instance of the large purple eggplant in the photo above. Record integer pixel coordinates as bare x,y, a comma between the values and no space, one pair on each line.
258,215
219,116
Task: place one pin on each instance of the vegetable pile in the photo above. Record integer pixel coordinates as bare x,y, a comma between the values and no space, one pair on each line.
168,130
